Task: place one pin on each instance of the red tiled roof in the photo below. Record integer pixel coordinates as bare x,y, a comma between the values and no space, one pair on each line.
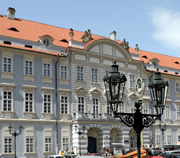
31,31
165,60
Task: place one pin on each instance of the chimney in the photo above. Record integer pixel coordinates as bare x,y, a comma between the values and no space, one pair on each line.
113,35
11,13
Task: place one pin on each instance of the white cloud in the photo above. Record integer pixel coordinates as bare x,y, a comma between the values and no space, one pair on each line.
167,27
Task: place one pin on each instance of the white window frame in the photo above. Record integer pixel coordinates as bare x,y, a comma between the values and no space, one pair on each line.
80,73
168,112
7,74
95,77
158,140
81,104
48,145
132,81
95,107
28,67
7,67
29,102
178,112
29,133
7,99
49,103
177,87
30,145
9,145
145,108
65,143
64,72
46,69
64,104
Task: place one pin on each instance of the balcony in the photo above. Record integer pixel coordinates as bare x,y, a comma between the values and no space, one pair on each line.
92,116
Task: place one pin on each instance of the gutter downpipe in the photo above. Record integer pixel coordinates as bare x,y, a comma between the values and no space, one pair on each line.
56,98
56,91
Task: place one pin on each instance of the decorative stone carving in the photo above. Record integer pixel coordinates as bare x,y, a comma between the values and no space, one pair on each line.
137,48
71,34
125,44
87,36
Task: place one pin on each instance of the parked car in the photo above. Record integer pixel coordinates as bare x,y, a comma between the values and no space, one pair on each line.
167,153
156,151
56,156
171,147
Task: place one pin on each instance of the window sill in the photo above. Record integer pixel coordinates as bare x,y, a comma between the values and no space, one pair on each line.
30,153
9,75
47,116
6,154
47,79
29,77
7,114
29,115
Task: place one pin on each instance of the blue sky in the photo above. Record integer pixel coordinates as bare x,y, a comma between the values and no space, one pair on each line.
152,24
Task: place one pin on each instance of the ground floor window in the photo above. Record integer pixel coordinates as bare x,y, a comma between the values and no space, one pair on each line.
48,145
133,142
65,144
7,145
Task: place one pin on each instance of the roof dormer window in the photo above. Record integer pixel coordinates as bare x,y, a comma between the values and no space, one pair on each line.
46,40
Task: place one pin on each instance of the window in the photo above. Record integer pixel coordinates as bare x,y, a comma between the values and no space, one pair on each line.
7,64
145,108
81,104
95,107
178,138
168,112
132,81
121,107
65,144
29,145
7,101
145,82
28,67
177,88
80,72
64,104
7,145
28,102
169,140
178,112
64,72
47,70
94,75
133,142
109,111
48,145
158,140
46,42
47,103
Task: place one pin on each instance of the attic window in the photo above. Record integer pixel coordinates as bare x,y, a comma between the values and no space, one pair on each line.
7,42
144,56
13,29
176,62
64,40
46,42
176,72
165,70
28,46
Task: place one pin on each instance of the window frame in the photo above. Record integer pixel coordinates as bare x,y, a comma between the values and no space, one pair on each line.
64,105
11,99
132,80
48,103
95,102
47,69
80,73
64,72
94,75
81,104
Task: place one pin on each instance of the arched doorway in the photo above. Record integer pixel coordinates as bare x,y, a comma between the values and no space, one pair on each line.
93,139
92,145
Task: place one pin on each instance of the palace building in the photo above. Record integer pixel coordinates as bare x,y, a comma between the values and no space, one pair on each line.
51,82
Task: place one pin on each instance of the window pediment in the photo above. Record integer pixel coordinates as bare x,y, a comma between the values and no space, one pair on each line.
95,91
81,90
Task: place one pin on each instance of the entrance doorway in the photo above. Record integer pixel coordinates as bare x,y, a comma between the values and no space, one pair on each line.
91,145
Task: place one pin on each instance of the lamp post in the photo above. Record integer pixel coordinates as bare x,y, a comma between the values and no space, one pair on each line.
115,84
79,132
162,127
15,134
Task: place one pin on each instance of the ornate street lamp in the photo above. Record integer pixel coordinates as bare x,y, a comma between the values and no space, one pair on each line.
115,85
79,132
162,127
15,134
